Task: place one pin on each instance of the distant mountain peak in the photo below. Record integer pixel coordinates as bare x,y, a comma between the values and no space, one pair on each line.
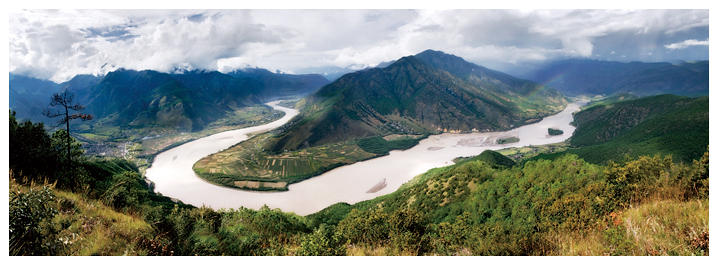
418,94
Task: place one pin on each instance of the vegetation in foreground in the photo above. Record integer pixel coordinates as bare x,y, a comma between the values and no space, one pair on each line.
566,206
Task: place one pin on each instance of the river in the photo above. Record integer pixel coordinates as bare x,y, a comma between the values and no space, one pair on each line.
173,176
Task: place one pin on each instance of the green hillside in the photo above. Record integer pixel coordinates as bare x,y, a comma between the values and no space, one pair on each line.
664,124
565,206
412,96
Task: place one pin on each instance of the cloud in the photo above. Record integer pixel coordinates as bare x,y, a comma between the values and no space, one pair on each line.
685,44
58,44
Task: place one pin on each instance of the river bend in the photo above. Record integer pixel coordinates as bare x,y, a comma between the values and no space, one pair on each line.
173,176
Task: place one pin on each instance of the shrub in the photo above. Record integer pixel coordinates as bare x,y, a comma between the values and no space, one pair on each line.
29,211
322,242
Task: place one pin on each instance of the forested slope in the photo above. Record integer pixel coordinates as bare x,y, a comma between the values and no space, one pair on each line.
481,206
665,124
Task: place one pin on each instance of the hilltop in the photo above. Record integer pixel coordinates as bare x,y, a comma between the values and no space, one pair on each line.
428,93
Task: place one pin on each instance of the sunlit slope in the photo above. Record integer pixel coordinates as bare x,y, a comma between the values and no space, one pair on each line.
413,96
665,124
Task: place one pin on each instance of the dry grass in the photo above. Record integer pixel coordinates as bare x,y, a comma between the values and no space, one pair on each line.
87,227
668,227
358,250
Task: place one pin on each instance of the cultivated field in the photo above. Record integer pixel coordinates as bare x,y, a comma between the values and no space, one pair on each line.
247,165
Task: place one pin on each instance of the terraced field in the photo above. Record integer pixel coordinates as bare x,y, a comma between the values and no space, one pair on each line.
247,166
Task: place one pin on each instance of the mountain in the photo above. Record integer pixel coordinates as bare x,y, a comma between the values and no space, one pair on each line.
591,77
332,73
282,85
141,98
185,100
665,124
426,93
29,96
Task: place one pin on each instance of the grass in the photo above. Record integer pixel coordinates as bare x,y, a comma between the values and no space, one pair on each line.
658,228
87,227
668,227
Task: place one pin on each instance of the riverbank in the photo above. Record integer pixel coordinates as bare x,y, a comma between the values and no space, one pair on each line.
248,166
175,178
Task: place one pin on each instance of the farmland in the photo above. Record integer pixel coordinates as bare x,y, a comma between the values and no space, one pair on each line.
248,166
141,143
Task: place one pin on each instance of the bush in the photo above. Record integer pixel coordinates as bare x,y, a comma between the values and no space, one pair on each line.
322,242
127,191
29,212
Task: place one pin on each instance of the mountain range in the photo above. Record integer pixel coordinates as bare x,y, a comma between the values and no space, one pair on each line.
426,93
186,100
591,77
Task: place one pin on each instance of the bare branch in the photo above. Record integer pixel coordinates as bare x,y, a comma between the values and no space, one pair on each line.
49,114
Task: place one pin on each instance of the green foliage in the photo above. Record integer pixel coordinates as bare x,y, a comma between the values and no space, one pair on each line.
618,242
495,159
379,145
665,124
331,215
402,230
627,183
552,131
29,213
28,144
324,241
509,140
696,179
126,192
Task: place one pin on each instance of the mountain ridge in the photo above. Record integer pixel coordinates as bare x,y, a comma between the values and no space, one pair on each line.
592,77
416,97
185,99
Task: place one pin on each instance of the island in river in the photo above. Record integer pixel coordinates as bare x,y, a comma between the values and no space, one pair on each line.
176,178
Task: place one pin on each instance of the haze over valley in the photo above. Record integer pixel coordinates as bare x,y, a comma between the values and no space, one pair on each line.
359,132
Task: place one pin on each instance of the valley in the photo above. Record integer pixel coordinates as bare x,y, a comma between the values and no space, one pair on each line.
173,175
359,132
140,145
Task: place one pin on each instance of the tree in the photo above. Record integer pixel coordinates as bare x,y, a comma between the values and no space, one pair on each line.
31,150
64,100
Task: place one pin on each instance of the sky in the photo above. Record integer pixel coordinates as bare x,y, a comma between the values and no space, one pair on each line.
59,44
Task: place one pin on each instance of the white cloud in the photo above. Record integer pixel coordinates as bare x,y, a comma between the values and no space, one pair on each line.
57,45
686,43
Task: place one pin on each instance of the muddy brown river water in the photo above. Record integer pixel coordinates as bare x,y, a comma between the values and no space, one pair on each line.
173,176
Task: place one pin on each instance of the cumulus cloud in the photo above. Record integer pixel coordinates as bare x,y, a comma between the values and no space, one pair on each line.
57,45
686,43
